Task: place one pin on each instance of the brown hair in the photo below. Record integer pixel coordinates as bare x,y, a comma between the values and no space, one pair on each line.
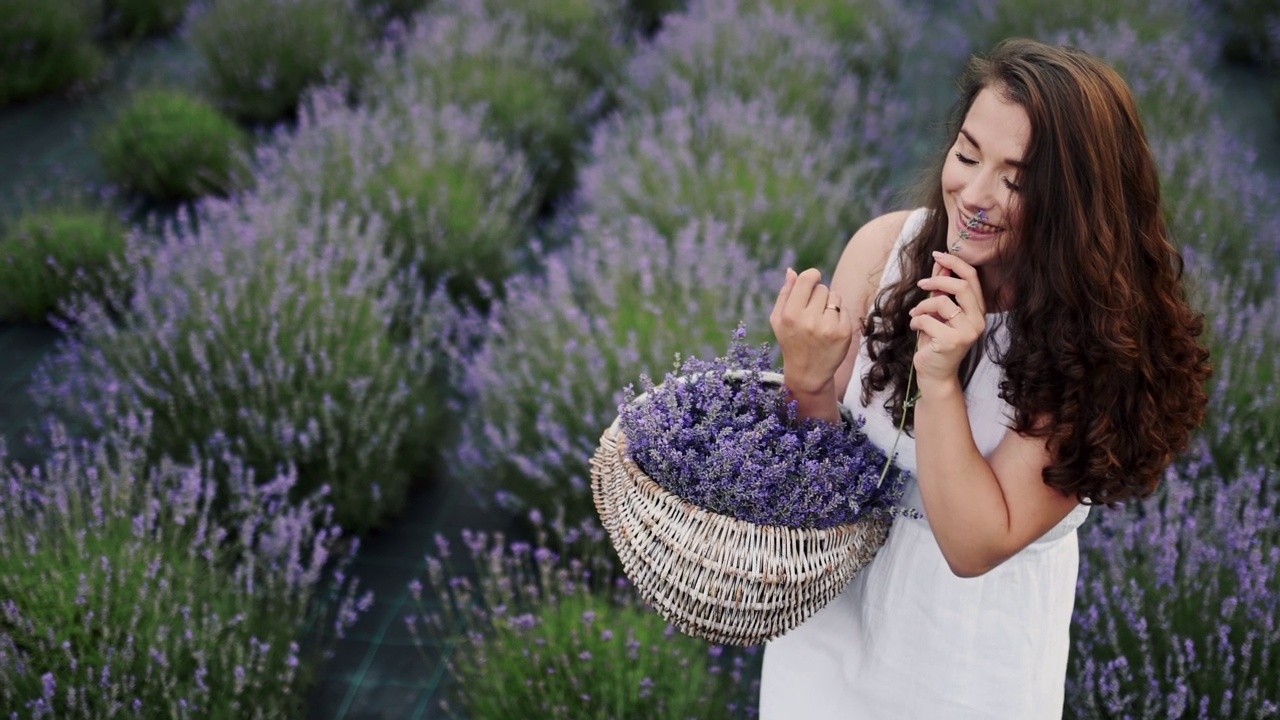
1103,356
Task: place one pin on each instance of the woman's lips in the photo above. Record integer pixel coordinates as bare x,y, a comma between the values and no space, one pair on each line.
976,229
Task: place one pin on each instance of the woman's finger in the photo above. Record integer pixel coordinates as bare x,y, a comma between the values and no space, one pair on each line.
959,290
944,336
965,273
818,301
802,293
940,306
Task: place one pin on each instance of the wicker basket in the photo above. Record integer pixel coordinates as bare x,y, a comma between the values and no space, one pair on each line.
715,577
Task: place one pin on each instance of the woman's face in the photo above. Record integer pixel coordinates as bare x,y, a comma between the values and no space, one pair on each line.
980,182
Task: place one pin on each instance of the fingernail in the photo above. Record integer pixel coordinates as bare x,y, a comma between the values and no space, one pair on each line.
937,254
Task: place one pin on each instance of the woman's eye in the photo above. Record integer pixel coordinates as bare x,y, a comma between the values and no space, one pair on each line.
966,160
1011,184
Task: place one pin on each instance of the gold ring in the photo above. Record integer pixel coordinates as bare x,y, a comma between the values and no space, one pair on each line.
955,314
834,307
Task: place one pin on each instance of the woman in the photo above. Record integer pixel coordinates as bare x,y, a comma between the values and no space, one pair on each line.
1033,309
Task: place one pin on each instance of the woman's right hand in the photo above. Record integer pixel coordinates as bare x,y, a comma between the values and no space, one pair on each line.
814,332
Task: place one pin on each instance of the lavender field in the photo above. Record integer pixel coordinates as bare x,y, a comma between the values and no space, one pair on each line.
338,329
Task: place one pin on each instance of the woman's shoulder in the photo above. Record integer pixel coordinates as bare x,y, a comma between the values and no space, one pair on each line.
877,238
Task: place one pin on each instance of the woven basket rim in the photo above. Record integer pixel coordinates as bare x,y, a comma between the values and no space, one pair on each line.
620,438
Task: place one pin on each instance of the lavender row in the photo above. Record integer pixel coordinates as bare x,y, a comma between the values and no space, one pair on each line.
1178,607
271,330
621,300
128,594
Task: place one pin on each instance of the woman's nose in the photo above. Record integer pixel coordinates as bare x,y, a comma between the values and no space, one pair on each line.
979,193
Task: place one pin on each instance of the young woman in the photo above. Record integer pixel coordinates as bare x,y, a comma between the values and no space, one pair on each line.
1030,322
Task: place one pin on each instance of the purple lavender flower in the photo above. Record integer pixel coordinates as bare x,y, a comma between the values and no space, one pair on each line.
527,642
726,48
453,201
619,301
271,332
720,437
472,57
1178,609
782,182
98,614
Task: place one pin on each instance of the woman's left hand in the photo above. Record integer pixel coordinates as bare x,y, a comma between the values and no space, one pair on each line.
949,321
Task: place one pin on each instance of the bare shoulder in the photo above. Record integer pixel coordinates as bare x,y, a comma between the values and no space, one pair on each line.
858,273
873,241
857,277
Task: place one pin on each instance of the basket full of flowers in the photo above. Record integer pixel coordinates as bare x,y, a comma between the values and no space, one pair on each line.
735,520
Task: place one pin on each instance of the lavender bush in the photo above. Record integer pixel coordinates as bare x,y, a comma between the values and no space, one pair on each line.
262,54
172,145
718,48
1241,427
617,302
990,21
782,181
734,446
465,55
45,47
454,201
594,33
558,633
52,253
272,331
1178,607
1220,202
1168,75
1225,207
125,597
875,36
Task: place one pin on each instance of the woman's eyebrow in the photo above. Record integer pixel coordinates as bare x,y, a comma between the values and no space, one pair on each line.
1012,163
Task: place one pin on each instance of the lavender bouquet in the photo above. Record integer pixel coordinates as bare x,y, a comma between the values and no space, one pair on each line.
723,436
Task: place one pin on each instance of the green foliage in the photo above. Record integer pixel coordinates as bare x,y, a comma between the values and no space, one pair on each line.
45,46
171,145
989,21
618,302
534,101
548,635
455,202
48,255
593,31
132,19
262,54
717,50
783,183
272,331
870,33
120,591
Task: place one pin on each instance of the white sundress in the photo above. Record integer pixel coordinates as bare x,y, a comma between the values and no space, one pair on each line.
907,638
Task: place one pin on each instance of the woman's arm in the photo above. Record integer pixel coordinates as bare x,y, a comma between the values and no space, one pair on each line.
814,385
981,511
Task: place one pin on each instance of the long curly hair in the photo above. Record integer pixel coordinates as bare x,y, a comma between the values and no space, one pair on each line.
1103,355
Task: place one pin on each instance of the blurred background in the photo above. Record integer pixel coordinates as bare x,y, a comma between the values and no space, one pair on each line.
312,313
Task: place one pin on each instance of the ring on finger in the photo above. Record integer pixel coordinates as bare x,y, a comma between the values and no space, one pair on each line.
834,307
955,314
